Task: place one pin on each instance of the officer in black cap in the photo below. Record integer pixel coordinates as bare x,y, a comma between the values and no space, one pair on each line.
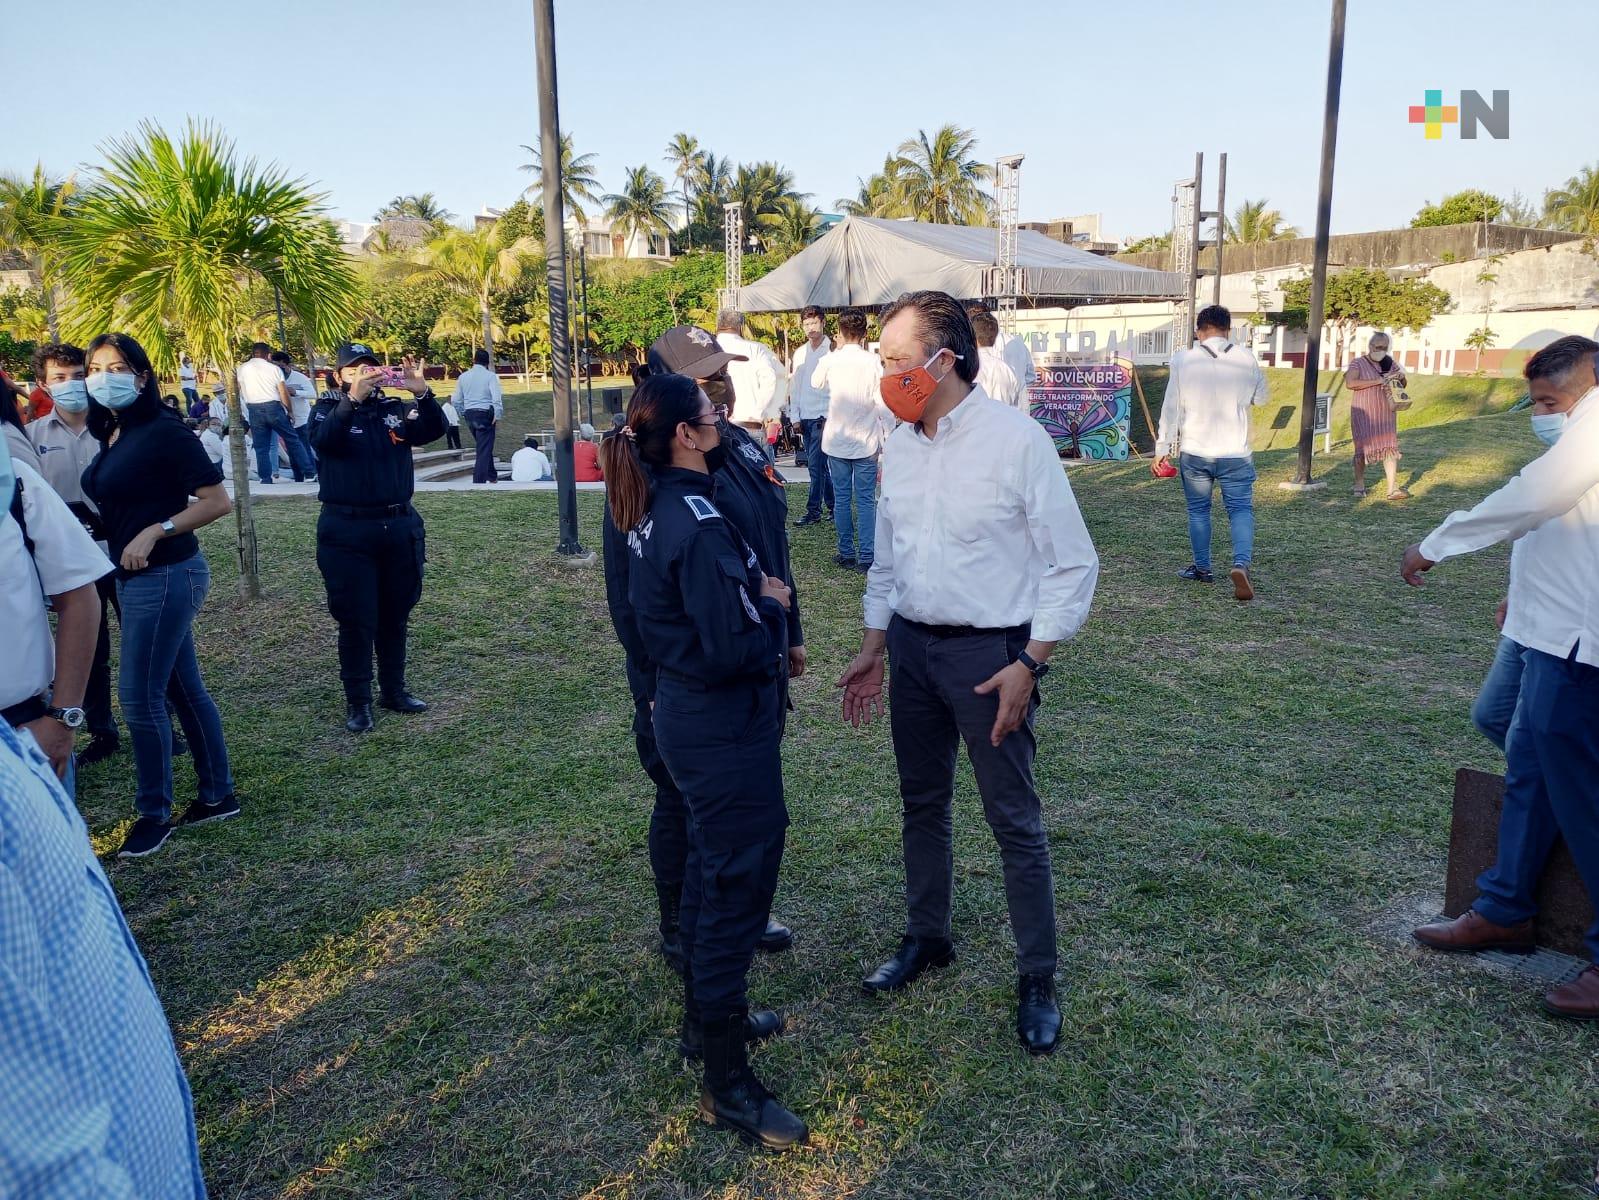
750,494
369,540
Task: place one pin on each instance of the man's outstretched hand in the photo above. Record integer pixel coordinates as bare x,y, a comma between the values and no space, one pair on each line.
862,682
1414,564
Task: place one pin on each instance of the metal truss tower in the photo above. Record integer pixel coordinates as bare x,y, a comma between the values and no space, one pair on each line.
1007,213
733,251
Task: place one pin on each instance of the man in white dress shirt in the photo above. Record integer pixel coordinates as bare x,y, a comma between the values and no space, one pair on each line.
808,407
480,402
302,398
266,401
994,375
982,558
1206,411
530,464
1551,512
1013,348
760,384
857,423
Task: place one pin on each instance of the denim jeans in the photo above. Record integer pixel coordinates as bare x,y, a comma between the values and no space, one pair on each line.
268,421
158,609
1496,702
1237,479
855,479
816,463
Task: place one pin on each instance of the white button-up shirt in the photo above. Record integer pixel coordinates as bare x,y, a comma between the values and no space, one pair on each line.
302,395
1208,397
978,526
857,419
1552,507
1018,357
477,388
995,377
64,557
805,403
760,385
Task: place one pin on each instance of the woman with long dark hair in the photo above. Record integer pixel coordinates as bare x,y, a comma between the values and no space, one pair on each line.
141,483
716,628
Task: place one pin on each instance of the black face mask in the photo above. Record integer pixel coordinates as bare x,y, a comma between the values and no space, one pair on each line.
716,457
719,390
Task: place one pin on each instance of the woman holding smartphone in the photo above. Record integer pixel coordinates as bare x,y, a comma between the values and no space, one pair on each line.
141,482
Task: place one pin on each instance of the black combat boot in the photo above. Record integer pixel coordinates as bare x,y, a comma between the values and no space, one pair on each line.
670,897
732,1098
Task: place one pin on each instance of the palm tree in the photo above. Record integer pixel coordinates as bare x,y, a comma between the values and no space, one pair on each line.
686,157
879,195
940,179
1574,206
788,230
640,207
760,187
578,180
473,264
164,244
1252,223
31,208
424,207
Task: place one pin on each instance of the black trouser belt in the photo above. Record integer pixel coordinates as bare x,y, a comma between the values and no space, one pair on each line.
368,510
960,631
23,711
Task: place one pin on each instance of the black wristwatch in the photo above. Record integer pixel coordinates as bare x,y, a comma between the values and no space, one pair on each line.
1037,669
72,718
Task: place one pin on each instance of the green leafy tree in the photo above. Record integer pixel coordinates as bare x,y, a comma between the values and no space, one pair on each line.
423,207
1252,223
686,157
1366,296
1460,208
578,179
790,229
940,178
520,220
1574,205
641,207
32,208
472,264
879,195
1149,245
1521,211
164,243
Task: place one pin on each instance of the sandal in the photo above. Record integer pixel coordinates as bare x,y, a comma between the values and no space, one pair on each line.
1359,492
1400,494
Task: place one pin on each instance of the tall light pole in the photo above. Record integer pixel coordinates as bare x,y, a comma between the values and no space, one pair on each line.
555,265
1318,273
588,362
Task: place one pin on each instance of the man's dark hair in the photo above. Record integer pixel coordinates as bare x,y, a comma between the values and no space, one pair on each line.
852,324
973,307
481,357
810,310
1560,357
531,440
986,327
63,354
1214,316
260,350
281,357
944,325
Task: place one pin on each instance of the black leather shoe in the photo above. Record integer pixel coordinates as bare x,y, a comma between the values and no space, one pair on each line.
731,1097
908,963
404,702
358,718
761,1025
776,939
808,519
1037,1014
101,747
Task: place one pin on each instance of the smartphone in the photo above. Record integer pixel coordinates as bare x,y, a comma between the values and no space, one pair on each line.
391,377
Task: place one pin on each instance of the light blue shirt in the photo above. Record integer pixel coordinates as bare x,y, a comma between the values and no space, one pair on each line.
478,388
93,1100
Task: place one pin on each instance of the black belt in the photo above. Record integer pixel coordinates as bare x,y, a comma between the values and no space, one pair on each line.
961,631
23,711
368,510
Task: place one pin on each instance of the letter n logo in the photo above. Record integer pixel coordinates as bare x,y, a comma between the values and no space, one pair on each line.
1495,117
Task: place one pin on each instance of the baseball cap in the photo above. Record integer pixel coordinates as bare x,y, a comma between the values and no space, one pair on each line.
688,350
350,353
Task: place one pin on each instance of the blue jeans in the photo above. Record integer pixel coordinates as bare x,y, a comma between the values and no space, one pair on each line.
855,479
268,421
1237,479
158,609
816,463
1496,702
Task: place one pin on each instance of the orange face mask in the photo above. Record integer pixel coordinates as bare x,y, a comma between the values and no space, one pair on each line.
908,392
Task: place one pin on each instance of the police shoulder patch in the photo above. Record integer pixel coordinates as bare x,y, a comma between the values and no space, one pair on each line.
749,605
753,453
701,507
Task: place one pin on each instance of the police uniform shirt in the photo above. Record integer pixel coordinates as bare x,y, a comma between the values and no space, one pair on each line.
367,447
749,493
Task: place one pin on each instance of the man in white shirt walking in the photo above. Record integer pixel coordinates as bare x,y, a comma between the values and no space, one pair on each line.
302,398
1551,512
982,558
1015,351
267,405
760,384
808,407
530,464
994,375
481,403
857,424
1206,412
187,379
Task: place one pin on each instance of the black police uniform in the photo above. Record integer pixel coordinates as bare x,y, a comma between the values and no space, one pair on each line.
369,540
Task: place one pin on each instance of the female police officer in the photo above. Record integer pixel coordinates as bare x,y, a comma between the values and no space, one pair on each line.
716,628
369,540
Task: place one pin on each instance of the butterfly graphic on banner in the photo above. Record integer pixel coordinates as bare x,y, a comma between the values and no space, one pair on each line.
1085,408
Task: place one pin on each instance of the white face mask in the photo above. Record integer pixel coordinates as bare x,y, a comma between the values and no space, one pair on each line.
1547,427
1377,354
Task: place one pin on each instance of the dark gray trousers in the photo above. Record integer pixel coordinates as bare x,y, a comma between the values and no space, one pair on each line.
932,707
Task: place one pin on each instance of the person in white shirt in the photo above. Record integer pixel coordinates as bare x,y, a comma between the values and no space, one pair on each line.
452,423
530,464
211,438
994,375
857,424
1551,512
187,379
265,397
1206,412
807,406
982,558
1014,350
760,383
302,397
481,403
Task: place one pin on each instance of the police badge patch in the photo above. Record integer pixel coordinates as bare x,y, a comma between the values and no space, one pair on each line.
749,605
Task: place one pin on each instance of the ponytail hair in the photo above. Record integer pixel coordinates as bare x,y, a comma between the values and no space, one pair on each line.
659,405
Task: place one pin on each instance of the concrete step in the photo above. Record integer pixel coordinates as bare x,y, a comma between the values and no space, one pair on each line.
444,472
428,458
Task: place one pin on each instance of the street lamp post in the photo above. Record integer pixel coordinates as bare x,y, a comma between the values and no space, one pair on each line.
588,362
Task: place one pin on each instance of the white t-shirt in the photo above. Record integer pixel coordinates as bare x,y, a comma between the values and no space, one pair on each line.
529,465
995,377
258,381
857,419
302,395
186,375
212,441
65,557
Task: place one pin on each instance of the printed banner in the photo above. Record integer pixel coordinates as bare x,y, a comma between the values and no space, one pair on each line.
1085,407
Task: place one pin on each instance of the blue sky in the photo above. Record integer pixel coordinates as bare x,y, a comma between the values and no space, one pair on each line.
1108,101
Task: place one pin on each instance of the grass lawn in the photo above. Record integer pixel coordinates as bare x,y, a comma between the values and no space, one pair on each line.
422,963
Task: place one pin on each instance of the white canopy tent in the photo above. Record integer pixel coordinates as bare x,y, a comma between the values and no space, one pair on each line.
867,262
